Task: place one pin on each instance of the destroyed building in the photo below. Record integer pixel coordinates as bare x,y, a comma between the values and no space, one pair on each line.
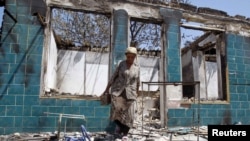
47,78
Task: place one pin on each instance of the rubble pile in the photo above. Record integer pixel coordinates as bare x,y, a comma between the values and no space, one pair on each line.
147,133
47,136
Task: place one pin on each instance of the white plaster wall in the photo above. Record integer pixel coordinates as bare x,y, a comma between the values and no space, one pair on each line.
212,80
86,73
174,96
96,72
82,73
200,74
50,74
149,72
207,74
174,92
70,73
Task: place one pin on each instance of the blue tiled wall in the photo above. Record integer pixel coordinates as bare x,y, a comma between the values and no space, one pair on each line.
120,32
172,50
21,109
238,63
238,109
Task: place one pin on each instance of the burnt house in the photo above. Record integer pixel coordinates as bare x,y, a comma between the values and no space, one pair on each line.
57,56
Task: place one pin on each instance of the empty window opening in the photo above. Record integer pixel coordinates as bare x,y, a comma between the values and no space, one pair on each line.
203,58
145,35
76,30
77,54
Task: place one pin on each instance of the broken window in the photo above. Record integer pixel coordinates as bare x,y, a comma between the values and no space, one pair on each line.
78,53
203,60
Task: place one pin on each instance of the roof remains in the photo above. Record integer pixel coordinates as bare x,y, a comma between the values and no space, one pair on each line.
149,10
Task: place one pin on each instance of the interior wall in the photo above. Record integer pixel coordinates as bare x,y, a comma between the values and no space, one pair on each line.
149,72
51,68
86,73
212,80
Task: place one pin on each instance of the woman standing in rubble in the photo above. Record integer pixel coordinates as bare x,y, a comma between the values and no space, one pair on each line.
124,85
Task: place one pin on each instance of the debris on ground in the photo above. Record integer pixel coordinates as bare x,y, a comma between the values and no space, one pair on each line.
147,127
139,133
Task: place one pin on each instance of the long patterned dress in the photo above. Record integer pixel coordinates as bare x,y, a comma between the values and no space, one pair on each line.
124,85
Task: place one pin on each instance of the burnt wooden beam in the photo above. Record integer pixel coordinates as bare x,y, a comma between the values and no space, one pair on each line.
206,47
188,26
193,45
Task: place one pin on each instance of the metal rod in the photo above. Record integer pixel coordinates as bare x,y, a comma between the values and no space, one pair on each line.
59,126
171,83
67,115
198,111
142,109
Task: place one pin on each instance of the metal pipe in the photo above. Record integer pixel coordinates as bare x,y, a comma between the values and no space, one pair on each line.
198,111
142,108
67,115
59,126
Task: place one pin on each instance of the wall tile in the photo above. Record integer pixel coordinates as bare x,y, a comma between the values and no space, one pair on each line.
18,122
14,110
3,110
31,122
7,121
47,102
102,112
7,100
39,110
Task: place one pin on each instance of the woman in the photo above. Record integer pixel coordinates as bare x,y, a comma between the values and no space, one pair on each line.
124,85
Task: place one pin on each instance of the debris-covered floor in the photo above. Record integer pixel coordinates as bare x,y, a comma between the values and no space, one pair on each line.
150,130
147,134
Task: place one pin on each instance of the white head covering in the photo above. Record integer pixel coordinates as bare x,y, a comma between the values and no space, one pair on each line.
132,50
